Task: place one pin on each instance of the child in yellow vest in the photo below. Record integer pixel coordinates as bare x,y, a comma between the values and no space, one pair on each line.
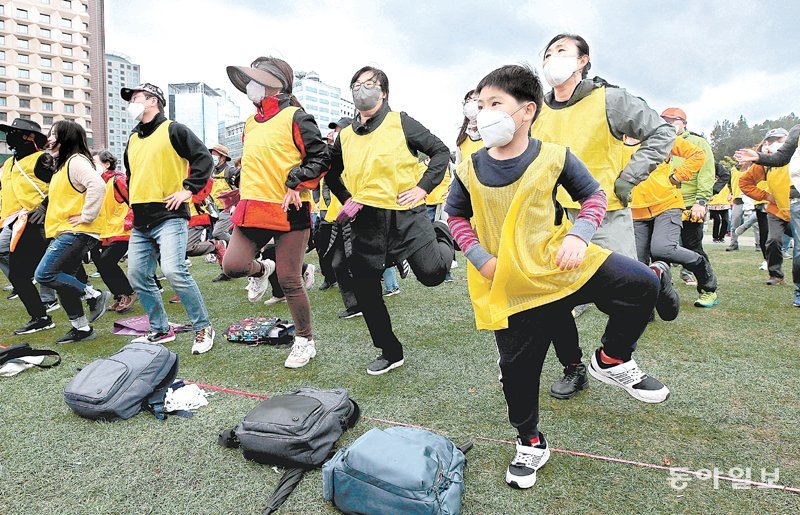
528,266
76,198
283,159
375,174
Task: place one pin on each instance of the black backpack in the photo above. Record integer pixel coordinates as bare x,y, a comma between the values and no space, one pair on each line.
298,430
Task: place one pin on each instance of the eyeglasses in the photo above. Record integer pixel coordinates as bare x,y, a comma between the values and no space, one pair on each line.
369,84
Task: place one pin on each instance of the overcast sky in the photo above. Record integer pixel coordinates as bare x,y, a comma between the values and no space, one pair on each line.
715,59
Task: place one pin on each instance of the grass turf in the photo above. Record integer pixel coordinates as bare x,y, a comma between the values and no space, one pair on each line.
732,371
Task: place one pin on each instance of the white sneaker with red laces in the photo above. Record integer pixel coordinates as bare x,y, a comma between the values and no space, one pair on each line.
203,340
521,472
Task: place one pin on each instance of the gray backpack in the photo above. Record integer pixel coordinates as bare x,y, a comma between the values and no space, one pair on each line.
135,378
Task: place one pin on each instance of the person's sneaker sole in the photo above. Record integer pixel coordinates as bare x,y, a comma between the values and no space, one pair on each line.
352,315
142,339
564,397
525,483
633,392
31,331
700,305
394,365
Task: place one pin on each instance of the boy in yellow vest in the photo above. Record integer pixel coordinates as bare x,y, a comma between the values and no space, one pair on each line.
529,266
166,164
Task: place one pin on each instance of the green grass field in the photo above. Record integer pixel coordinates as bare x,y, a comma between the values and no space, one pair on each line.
732,370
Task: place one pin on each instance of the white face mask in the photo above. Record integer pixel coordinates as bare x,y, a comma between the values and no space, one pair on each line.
256,92
559,68
497,127
471,110
136,111
772,148
215,159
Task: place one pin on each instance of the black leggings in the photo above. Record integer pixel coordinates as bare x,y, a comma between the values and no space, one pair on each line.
720,226
22,264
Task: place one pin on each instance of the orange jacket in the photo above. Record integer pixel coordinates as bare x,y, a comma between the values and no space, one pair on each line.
749,181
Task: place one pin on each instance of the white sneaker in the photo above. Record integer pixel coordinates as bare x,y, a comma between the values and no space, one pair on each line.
454,264
521,473
203,340
630,378
257,286
210,258
188,262
274,300
763,265
303,350
308,276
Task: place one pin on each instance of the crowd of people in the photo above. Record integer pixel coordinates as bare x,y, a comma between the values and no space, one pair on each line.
581,195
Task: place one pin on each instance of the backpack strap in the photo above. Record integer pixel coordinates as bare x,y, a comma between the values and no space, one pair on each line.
155,402
228,439
354,415
23,350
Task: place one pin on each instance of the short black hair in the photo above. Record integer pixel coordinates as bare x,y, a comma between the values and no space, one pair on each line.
583,49
380,76
105,156
519,81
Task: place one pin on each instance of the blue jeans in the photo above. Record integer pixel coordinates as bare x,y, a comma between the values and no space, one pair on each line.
390,279
169,239
60,264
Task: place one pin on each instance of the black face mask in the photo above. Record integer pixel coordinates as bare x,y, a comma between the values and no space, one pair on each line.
22,148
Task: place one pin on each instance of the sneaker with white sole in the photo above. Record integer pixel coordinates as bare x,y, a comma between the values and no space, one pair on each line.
521,472
303,350
274,300
763,265
156,337
381,365
630,378
203,340
49,307
257,286
308,276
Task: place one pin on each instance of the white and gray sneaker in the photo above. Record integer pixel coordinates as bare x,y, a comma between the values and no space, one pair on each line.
630,378
303,350
308,276
257,286
521,472
203,340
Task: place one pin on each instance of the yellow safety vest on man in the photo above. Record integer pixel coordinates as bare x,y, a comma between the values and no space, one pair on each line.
157,170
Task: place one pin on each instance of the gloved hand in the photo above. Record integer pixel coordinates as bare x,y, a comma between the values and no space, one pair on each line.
38,215
349,211
622,189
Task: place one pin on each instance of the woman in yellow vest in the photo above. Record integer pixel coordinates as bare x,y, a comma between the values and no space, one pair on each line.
23,193
76,198
657,208
779,197
737,208
115,236
375,174
283,158
529,266
719,209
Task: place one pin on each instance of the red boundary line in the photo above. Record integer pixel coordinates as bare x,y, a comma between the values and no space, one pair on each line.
563,451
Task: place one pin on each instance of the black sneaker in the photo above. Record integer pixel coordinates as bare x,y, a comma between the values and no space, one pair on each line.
76,335
98,305
669,303
382,365
521,471
35,325
326,285
221,277
351,313
49,307
13,295
574,380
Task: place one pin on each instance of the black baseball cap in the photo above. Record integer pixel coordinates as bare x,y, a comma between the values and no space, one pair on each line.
342,123
127,93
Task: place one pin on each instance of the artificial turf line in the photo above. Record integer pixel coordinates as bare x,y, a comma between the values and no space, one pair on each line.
699,475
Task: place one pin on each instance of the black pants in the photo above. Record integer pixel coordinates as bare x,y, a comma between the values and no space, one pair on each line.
322,240
106,259
430,262
341,271
720,225
22,263
692,237
624,289
778,228
763,228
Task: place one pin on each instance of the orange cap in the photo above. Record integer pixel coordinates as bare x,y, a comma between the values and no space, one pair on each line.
674,112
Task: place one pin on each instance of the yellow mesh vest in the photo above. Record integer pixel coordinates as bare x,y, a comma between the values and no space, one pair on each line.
736,190
27,196
439,193
113,214
66,201
220,186
157,171
516,223
469,147
335,206
269,154
583,127
779,185
379,165
9,203
720,198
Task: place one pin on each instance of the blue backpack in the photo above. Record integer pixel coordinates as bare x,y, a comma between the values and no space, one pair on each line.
397,470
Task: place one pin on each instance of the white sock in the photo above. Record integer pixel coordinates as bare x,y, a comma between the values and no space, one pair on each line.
90,293
81,324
